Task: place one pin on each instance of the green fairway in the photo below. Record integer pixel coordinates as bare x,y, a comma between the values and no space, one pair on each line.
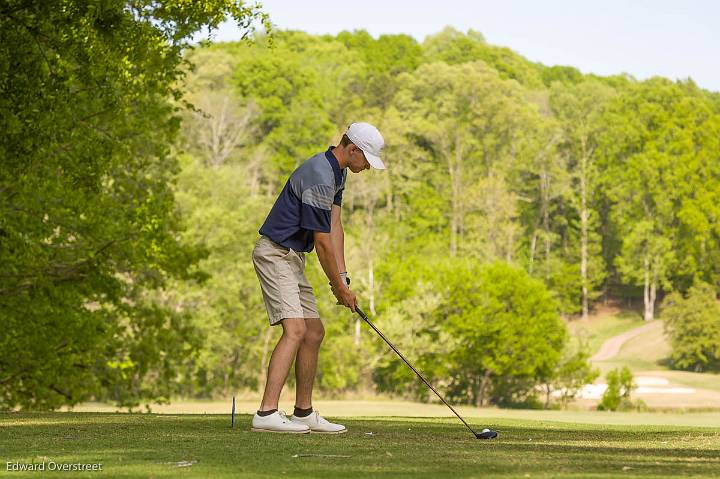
647,351
603,326
130,445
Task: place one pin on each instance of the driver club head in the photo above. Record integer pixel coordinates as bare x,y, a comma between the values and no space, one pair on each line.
486,434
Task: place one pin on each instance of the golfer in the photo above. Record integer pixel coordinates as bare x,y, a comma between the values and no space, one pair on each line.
306,215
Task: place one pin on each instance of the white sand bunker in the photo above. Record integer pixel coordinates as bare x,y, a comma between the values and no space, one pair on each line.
646,385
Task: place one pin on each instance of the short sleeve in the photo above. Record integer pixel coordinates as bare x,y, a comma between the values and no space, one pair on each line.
338,196
316,205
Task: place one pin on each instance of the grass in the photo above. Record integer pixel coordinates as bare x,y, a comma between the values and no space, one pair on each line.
644,352
604,325
709,381
390,409
649,353
133,445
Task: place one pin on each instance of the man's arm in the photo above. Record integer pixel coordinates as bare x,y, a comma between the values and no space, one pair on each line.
337,236
328,261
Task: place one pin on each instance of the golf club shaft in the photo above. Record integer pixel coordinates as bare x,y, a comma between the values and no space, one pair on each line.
367,320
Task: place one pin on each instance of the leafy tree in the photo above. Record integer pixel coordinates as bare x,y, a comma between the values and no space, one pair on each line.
654,134
496,313
219,125
227,309
453,47
385,58
562,74
543,183
617,395
579,108
300,94
410,319
490,158
465,119
692,324
88,227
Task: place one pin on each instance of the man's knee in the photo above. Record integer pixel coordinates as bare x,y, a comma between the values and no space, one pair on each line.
315,332
294,329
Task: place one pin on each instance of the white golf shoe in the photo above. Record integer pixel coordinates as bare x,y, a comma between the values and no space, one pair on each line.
278,422
319,424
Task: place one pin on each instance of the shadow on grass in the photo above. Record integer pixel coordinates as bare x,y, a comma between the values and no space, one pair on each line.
667,363
142,445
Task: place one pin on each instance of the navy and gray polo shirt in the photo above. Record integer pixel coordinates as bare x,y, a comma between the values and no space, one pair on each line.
305,202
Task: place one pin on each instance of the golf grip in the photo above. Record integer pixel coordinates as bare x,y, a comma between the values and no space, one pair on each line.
367,320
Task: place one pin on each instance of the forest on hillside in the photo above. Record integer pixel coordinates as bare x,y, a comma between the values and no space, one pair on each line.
594,187
517,197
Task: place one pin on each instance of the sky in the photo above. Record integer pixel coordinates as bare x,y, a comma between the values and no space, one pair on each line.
675,39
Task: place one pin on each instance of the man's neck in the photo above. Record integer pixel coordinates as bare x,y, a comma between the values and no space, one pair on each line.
340,156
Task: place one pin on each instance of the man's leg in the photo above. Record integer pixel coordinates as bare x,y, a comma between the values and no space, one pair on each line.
305,366
294,331
306,362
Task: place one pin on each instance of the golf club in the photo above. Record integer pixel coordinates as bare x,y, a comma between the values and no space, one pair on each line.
485,434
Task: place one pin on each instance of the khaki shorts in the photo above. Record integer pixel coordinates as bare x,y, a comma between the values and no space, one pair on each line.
285,288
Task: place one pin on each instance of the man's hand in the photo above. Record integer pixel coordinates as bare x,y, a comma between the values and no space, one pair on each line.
345,280
346,297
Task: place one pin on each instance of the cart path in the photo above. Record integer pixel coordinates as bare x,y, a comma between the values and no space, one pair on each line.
612,346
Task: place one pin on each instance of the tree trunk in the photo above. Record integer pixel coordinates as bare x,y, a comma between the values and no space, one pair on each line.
455,172
453,236
533,246
584,236
545,213
389,194
482,389
474,389
649,292
548,392
509,247
653,293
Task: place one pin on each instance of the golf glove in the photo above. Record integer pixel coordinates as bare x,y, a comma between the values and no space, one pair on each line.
343,276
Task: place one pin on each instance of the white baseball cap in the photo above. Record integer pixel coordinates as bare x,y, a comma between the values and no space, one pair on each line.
369,140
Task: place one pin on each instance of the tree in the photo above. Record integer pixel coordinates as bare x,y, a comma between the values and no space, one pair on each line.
227,308
496,313
466,120
453,47
412,323
655,132
89,227
490,156
299,87
543,183
579,108
692,323
219,124
620,384
385,58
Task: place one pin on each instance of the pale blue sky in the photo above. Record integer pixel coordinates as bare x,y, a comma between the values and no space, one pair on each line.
675,39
